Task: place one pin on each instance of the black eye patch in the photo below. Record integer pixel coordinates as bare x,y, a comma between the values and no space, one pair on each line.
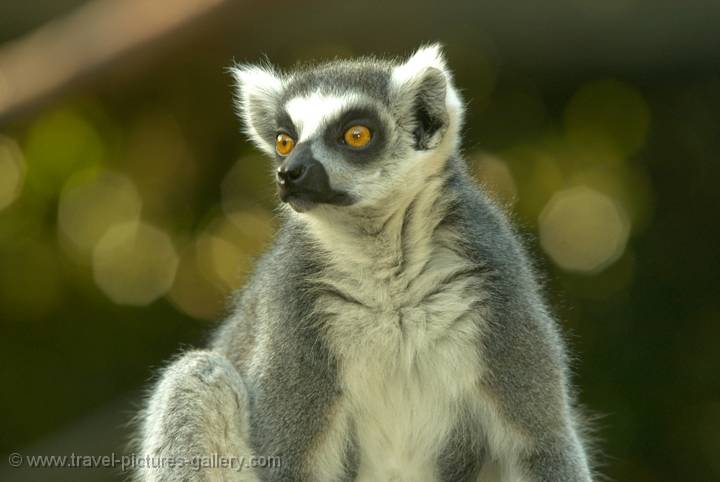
334,135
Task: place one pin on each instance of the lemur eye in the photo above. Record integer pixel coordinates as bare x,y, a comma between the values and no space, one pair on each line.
357,136
284,144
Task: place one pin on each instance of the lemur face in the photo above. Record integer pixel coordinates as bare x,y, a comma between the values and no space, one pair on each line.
352,134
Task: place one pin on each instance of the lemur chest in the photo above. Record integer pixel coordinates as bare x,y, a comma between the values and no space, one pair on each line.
409,363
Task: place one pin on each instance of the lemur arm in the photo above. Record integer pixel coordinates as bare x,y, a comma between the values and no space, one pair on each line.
527,412
197,415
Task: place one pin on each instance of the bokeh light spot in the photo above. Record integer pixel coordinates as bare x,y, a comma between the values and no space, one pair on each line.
194,294
220,260
245,183
538,174
226,249
608,116
497,178
12,171
161,165
216,263
134,263
252,228
92,201
583,230
58,144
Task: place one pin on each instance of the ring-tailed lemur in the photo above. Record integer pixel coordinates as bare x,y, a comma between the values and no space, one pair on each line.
395,331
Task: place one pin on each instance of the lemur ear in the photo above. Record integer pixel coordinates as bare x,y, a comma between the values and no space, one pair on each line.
423,93
259,89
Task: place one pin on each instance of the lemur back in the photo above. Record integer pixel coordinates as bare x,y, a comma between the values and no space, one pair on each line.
395,330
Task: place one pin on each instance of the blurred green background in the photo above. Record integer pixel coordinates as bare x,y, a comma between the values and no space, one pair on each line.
131,206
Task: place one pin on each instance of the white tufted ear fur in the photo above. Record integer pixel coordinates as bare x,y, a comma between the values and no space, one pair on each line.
424,58
258,92
424,93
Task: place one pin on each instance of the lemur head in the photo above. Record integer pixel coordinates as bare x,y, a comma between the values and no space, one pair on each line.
352,134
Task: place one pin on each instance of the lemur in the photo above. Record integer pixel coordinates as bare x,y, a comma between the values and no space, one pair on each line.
395,330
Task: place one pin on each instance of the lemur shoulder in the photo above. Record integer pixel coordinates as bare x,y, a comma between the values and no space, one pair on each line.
395,330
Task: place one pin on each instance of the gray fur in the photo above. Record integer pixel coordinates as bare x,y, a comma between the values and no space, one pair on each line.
403,337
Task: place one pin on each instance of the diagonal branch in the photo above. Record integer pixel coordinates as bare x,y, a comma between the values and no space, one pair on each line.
47,61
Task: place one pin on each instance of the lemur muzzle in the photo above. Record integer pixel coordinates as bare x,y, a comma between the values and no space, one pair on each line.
303,178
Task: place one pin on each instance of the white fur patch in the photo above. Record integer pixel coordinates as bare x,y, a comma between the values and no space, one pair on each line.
255,79
409,358
430,56
310,113
260,86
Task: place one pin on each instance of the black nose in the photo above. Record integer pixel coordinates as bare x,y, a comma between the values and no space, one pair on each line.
301,172
291,174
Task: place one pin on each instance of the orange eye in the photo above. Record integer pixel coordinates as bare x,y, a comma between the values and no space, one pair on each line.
284,144
357,136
